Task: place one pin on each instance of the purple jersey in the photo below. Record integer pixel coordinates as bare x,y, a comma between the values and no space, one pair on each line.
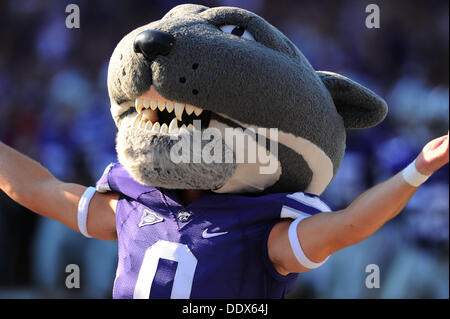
215,247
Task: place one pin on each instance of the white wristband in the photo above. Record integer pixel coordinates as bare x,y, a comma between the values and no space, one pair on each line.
412,176
297,248
83,208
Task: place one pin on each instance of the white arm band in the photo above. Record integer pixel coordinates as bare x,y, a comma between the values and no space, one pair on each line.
412,176
83,208
297,248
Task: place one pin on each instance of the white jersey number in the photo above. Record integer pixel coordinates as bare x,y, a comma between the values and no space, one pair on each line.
184,275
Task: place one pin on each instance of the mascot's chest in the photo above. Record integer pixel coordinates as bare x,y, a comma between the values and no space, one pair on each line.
215,247
206,249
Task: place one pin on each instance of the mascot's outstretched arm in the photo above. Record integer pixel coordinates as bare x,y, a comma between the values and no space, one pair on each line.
361,219
32,186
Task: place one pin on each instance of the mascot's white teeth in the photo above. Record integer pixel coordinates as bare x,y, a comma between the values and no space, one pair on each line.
173,126
141,121
147,106
179,108
151,108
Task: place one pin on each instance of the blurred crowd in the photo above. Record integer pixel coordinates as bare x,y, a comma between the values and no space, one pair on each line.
54,107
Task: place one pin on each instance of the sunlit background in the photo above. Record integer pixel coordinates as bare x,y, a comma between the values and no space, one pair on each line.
54,107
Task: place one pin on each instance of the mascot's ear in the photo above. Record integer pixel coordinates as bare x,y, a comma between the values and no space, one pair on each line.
358,106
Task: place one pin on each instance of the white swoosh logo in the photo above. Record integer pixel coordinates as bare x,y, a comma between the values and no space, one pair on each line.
210,235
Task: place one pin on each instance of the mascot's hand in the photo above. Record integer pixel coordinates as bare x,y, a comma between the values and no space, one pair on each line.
433,156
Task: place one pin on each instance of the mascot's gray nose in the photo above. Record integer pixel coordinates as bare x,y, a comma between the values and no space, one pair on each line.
152,43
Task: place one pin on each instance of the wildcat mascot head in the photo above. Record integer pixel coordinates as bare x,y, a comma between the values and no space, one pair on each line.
230,69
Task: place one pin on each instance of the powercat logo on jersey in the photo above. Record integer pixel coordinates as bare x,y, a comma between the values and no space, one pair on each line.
149,218
184,216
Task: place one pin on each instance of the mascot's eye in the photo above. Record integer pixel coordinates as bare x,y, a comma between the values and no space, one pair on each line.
238,31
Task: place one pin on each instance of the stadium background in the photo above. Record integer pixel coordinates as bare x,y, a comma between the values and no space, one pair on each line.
54,107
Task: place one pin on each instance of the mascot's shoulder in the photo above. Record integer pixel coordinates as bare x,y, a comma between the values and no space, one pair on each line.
116,178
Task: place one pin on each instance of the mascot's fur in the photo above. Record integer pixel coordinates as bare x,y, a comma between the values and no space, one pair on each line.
241,83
